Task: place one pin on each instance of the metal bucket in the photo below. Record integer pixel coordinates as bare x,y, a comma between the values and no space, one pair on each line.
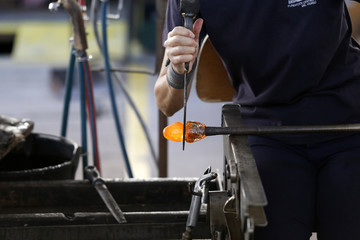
41,157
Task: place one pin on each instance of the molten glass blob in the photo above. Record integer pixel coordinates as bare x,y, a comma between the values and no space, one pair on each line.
194,131
174,132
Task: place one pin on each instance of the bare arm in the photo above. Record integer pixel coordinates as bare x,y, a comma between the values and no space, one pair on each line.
181,46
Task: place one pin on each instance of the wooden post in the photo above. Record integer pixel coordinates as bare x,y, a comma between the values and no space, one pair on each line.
160,18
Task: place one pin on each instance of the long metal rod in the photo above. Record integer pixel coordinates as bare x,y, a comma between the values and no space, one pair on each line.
83,113
258,130
188,23
90,103
185,104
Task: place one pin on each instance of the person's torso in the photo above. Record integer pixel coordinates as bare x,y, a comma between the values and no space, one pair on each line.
291,61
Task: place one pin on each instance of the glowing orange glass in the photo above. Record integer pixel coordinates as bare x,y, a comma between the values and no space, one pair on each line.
194,131
174,132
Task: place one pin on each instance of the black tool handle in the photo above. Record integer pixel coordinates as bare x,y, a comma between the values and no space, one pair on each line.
93,175
189,6
188,23
188,20
189,9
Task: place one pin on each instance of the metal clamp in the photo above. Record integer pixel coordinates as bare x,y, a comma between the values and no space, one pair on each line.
199,197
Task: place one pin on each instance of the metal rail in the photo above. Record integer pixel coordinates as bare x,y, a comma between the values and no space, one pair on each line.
259,130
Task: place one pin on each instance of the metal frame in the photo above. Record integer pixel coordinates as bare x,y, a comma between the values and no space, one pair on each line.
236,210
56,210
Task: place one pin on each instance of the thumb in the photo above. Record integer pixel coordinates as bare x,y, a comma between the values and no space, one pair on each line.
196,30
197,27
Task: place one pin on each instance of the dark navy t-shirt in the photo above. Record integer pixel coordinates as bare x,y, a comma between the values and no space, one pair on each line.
292,62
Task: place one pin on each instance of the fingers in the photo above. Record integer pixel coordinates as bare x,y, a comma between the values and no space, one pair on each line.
182,45
181,31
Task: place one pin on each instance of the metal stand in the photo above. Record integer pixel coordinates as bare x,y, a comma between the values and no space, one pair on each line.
236,205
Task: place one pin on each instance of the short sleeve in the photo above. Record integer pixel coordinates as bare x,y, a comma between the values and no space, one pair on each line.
173,18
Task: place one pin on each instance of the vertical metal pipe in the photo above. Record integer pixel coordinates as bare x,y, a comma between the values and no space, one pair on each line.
82,112
91,112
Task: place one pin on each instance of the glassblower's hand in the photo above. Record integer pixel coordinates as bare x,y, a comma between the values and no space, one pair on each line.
182,46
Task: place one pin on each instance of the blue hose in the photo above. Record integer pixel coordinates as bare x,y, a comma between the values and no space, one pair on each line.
111,89
68,88
83,113
137,113
94,20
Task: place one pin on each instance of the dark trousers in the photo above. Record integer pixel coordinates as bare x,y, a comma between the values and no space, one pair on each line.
310,187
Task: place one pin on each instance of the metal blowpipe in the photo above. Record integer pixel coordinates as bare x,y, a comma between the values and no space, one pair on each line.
195,131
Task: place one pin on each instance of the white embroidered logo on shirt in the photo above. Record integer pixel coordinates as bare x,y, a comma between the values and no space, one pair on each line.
301,3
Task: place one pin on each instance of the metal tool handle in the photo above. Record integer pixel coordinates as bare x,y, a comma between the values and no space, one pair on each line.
73,8
93,175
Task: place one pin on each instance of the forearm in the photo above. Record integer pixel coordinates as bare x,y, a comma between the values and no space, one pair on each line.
168,99
181,47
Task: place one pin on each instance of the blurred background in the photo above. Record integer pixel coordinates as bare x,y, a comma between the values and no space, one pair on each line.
34,57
